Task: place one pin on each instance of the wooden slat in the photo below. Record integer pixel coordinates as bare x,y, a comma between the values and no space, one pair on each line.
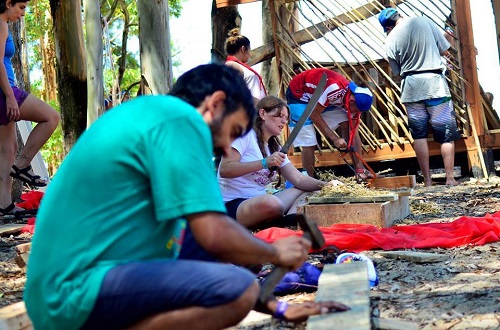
417,257
225,3
405,181
346,283
15,317
352,199
10,229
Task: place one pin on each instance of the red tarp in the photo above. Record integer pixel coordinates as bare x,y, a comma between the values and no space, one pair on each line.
357,238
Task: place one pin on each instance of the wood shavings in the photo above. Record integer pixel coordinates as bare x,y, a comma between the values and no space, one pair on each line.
349,188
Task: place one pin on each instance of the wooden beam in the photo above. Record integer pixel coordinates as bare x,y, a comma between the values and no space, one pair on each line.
316,31
469,65
414,256
346,283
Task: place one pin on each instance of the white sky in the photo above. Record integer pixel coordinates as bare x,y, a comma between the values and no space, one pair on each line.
192,36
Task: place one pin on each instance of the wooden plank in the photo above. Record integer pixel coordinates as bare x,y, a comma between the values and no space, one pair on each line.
10,229
15,317
352,199
346,283
405,181
377,214
23,254
388,324
414,256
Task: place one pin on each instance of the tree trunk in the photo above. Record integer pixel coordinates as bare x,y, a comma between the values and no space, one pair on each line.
94,45
71,68
223,20
154,41
21,70
269,71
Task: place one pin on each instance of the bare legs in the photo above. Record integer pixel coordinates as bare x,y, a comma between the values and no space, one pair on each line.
8,148
259,209
307,156
447,152
33,109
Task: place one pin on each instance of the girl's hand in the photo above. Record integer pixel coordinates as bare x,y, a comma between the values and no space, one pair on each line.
334,183
13,112
276,159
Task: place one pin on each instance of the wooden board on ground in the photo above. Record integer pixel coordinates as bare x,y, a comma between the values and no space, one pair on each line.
377,214
10,229
15,317
405,181
388,324
346,283
23,254
413,256
352,199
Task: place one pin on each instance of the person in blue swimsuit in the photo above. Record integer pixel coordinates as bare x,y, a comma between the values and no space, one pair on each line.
17,104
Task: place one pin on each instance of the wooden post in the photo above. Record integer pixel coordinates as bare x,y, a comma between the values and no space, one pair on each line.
496,14
469,70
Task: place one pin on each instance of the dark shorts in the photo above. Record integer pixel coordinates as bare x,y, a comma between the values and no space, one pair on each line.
20,96
232,206
439,114
132,292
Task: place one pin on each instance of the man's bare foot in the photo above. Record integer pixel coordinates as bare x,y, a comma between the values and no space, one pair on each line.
452,182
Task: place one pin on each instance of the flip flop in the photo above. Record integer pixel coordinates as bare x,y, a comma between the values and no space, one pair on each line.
25,176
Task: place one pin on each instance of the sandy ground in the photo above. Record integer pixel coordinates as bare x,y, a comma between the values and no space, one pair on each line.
460,292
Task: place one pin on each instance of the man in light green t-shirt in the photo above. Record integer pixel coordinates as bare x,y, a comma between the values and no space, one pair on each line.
110,226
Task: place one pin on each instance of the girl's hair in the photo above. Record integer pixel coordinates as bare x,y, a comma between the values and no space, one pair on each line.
3,4
235,41
269,104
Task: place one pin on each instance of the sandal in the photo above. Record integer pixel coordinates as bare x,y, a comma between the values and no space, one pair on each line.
10,210
25,176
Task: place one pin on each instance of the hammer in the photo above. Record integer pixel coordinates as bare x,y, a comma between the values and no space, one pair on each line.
312,233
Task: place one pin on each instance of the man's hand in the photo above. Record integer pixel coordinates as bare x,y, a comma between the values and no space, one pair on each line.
340,143
291,251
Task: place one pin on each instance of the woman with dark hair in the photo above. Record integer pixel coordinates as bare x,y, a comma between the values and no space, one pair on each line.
238,51
246,170
15,105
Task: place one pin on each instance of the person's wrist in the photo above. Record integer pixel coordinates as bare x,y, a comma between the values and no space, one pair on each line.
264,163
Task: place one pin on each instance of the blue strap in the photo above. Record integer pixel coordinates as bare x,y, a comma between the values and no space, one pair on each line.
280,310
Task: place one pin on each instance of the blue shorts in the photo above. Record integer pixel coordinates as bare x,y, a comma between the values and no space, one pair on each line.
20,96
439,114
134,291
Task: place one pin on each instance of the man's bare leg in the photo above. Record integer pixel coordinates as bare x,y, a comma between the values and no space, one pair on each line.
422,151
307,154
200,318
448,154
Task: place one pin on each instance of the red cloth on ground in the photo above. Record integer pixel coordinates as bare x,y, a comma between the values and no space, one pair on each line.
31,200
357,238
30,227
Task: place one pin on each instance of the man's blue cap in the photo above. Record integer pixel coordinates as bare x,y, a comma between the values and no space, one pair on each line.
362,96
386,18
